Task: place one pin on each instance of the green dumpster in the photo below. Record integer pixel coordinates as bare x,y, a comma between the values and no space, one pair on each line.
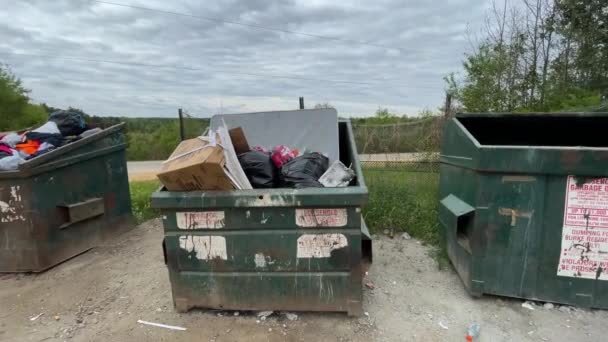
274,249
524,205
64,202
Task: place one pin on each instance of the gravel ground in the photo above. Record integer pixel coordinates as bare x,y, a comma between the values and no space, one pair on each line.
100,295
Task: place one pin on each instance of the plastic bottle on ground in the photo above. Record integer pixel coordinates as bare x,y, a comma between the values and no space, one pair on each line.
473,332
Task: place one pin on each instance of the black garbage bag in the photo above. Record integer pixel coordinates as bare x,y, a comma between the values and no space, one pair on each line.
68,122
304,171
259,168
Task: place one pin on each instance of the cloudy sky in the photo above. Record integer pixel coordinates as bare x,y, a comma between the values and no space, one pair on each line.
389,53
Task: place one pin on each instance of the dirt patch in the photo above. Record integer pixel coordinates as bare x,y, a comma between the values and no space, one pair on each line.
100,295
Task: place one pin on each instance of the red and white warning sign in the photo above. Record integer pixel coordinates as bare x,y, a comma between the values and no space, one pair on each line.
321,217
200,220
584,250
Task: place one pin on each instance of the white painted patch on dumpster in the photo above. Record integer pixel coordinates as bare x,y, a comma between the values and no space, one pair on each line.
206,247
584,249
320,245
15,193
200,220
11,211
321,217
260,260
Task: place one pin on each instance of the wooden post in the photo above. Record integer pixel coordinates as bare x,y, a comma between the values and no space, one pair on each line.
181,124
448,105
301,102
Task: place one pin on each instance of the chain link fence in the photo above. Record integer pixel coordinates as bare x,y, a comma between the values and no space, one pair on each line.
409,146
401,166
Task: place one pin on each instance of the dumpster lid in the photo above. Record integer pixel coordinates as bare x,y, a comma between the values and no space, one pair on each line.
537,129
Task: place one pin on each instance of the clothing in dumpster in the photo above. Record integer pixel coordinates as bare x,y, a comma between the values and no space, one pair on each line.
53,139
44,148
49,127
29,147
6,149
11,139
10,163
63,127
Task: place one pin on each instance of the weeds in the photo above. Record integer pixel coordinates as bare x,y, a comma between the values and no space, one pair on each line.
140,200
403,201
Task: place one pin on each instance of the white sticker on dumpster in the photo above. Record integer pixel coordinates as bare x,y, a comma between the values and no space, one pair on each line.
201,220
584,249
321,217
204,247
320,245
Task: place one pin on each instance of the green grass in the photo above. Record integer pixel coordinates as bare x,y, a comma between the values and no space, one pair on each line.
403,201
140,200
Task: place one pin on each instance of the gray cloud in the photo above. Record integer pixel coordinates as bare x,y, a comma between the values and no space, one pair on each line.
423,42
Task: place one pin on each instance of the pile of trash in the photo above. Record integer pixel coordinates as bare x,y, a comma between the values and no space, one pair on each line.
223,160
62,127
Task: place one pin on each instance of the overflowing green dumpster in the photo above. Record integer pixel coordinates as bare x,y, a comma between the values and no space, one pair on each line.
64,202
524,205
268,249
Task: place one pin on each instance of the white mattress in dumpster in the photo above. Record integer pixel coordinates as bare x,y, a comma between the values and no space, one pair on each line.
314,130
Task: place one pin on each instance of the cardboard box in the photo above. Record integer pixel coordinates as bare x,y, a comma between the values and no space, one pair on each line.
195,165
238,140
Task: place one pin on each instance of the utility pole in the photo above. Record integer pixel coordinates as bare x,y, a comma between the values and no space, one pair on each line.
181,124
301,102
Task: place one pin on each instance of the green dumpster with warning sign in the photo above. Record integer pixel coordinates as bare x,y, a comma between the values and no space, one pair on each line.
524,205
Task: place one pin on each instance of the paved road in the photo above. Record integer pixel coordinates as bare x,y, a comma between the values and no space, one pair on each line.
146,170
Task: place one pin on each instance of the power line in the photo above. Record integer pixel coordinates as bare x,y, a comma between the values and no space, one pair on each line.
260,27
137,64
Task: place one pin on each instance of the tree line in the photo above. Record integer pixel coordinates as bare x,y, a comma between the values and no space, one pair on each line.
537,55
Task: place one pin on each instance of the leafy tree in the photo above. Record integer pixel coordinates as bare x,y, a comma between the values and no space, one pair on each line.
325,105
16,112
538,55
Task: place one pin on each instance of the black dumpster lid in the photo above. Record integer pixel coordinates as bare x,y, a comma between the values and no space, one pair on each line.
537,129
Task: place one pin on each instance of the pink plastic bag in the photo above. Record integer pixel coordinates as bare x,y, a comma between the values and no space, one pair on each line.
282,154
261,148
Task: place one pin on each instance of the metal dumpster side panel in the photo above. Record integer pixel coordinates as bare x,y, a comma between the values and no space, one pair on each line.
257,254
267,266
18,243
515,230
510,229
56,188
